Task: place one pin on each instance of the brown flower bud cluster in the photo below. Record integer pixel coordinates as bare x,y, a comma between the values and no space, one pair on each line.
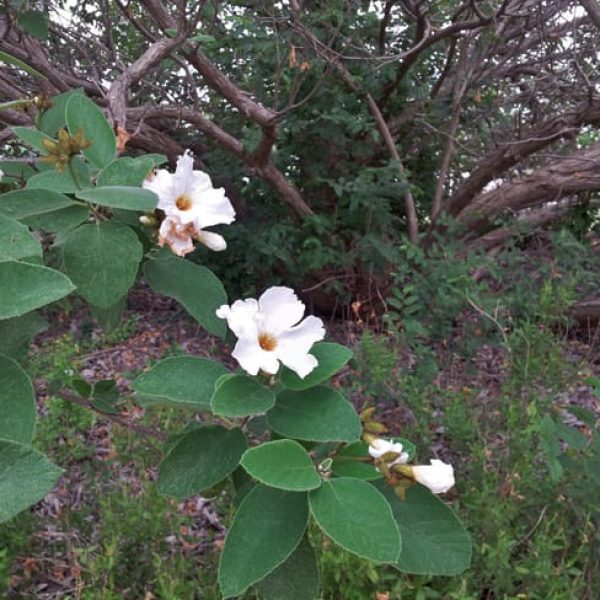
61,150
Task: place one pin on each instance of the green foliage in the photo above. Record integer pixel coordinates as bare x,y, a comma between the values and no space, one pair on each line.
194,287
82,113
26,287
102,260
200,459
358,518
185,380
318,414
240,396
17,403
119,196
283,464
26,476
267,528
16,241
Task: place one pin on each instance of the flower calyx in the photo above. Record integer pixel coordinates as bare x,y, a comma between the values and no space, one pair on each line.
61,150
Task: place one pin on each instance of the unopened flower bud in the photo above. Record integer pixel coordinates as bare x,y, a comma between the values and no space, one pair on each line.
374,427
438,476
366,414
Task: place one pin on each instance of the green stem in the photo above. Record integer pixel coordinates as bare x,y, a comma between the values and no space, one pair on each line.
72,173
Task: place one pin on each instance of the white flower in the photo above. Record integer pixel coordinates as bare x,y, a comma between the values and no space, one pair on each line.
1,174
379,447
438,477
190,204
180,237
269,331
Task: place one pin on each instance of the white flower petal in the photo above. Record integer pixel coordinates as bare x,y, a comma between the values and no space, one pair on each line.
280,309
379,447
212,207
300,339
253,358
211,240
241,317
438,477
161,184
301,364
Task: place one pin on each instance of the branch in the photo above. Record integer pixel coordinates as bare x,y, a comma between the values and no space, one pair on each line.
567,176
593,10
499,160
117,93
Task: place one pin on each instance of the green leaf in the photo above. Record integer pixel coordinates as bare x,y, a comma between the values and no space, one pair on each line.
120,196
102,260
240,396
16,240
202,38
434,540
59,221
319,414
186,380
82,113
26,203
358,518
282,464
26,287
157,159
331,357
267,528
104,396
53,119
62,182
109,318
16,333
32,137
125,172
35,23
9,59
196,288
344,464
17,403
200,459
15,171
26,476
296,579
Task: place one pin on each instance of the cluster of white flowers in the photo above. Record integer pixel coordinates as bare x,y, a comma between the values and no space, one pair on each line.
437,476
270,330
190,204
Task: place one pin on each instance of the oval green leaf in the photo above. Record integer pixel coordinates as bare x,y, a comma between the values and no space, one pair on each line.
435,541
358,518
59,221
82,113
240,396
17,403
267,528
32,137
331,357
102,260
26,476
196,288
62,182
186,380
120,196
28,202
53,119
16,240
319,414
200,459
282,464
26,287
16,333
296,579
125,171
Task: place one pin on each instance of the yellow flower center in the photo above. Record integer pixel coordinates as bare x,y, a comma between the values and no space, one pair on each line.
267,342
183,202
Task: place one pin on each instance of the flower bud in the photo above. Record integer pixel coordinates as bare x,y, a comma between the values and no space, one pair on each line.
438,476
366,414
374,427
